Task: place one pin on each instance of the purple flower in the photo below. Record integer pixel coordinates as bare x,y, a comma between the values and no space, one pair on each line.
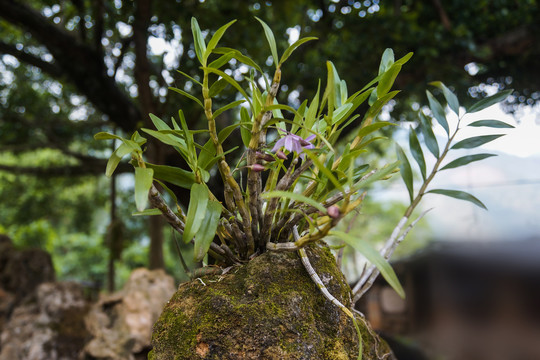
294,143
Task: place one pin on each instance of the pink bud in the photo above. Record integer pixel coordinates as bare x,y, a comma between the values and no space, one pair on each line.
333,211
304,142
257,167
281,155
265,157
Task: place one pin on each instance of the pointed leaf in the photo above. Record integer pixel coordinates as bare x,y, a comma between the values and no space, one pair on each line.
240,57
233,82
200,46
293,47
490,100
387,80
417,153
190,78
491,123
271,40
245,133
366,130
438,111
222,60
404,59
466,160
373,256
217,87
198,201
115,158
106,136
173,175
147,212
459,195
387,60
228,107
207,231
340,112
143,182
189,96
215,39
450,97
405,169
475,141
429,137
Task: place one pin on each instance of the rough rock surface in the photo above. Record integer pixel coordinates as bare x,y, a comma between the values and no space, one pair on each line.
121,323
47,326
267,309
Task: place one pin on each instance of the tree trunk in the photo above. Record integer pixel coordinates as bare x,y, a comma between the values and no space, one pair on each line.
266,309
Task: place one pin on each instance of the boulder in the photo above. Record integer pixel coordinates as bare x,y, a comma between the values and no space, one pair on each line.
47,326
121,323
266,309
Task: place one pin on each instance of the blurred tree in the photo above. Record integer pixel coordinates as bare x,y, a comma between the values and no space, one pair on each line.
72,68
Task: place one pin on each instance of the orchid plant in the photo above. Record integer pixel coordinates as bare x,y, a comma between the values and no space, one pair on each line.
305,169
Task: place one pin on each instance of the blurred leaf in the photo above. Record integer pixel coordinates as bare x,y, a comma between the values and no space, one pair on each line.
190,78
491,123
282,107
271,41
366,130
158,123
475,141
240,57
490,100
200,46
143,182
387,80
294,196
323,169
466,160
198,201
378,175
406,172
244,132
459,195
217,87
116,157
438,111
404,59
417,153
222,60
207,231
429,136
293,47
312,112
341,112
450,97
387,60
378,105
215,39
373,256
233,82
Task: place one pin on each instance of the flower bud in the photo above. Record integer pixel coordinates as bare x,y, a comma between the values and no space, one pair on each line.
333,211
304,142
257,167
281,155
265,157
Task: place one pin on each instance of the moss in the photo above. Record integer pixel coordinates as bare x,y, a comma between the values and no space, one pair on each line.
267,309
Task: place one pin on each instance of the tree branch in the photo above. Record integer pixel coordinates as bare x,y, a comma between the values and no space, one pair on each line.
47,67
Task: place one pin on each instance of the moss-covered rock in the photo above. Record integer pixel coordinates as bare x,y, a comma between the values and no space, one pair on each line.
267,309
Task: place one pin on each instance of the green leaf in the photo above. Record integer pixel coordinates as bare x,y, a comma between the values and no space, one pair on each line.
373,256
190,78
239,56
387,60
233,82
207,231
200,46
217,87
475,141
429,136
438,111
293,47
366,130
405,169
466,160
143,182
450,97
340,112
147,212
490,100
173,175
116,157
228,107
282,107
198,201
215,39
312,111
158,123
189,96
294,196
382,173
107,136
491,123
387,80
222,60
323,169
459,195
271,41
417,153
165,138
245,133
404,59
377,106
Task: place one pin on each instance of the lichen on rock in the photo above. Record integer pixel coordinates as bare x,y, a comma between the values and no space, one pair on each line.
266,309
